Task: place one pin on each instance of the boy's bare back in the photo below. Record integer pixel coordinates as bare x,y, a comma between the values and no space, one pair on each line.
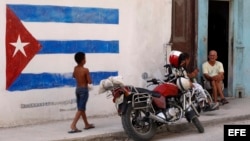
82,76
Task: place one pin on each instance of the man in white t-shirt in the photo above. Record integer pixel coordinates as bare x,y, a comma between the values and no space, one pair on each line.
213,71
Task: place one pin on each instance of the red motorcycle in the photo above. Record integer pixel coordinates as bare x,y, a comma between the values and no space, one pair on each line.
143,110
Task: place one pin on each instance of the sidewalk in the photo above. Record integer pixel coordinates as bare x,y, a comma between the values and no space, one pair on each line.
109,128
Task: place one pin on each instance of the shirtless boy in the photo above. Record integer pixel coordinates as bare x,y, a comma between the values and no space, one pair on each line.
82,77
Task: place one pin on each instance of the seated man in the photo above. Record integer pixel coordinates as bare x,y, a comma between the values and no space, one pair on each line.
213,71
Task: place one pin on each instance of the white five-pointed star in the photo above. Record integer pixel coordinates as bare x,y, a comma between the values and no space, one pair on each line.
19,45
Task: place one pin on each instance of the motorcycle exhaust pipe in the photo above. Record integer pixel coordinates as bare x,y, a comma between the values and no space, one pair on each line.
156,118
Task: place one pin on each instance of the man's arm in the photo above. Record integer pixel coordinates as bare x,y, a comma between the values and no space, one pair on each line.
220,76
205,72
221,71
209,78
193,74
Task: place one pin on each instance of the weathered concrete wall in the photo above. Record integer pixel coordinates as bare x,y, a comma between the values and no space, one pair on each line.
142,29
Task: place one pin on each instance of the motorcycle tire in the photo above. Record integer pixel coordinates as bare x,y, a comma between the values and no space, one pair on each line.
209,97
198,124
137,126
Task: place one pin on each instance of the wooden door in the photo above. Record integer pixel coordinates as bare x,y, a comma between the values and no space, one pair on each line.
184,28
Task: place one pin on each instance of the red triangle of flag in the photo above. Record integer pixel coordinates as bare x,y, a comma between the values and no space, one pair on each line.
21,47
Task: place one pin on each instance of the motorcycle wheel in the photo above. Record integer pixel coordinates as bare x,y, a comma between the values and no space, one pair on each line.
198,124
137,126
209,97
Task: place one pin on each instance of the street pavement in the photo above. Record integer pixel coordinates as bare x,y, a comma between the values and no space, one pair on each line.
109,128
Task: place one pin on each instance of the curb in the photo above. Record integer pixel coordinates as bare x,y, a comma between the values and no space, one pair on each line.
186,126
176,128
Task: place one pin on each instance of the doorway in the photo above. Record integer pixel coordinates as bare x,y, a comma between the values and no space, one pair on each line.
218,30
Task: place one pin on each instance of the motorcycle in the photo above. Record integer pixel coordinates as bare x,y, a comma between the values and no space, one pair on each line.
143,110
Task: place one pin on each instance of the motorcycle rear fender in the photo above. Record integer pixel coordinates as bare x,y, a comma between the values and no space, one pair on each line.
124,105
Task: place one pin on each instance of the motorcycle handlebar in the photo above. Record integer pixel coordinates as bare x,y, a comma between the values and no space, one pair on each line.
154,81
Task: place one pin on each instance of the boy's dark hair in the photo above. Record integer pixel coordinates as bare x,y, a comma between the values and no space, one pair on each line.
182,57
79,56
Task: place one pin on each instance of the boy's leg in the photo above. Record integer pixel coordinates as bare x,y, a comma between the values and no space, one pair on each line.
83,98
77,117
85,120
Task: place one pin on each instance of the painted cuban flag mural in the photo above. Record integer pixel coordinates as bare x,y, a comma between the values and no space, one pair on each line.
24,48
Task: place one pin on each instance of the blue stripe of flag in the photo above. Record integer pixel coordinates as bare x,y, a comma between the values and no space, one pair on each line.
48,13
28,81
87,46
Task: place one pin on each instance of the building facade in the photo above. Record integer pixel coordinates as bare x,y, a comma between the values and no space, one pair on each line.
38,42
125,37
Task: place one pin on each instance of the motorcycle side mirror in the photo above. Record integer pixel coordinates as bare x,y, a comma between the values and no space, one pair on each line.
144,75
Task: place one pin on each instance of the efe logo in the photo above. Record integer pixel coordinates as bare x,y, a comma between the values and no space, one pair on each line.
236,132
240,132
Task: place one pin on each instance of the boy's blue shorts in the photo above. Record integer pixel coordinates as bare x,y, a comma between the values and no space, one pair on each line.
82,95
